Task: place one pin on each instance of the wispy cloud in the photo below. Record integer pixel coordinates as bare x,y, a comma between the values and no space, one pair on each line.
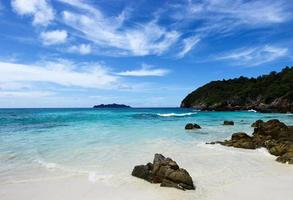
145,70
225,15
140,39
54,37
254,56
188,44
81,49
41,10
57,73
29,94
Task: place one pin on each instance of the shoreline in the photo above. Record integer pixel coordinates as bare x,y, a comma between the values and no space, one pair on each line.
219,173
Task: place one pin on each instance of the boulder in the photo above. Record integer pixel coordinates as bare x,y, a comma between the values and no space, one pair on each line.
190,126
166,172
226,122
271,129
257,123
142,171
274,135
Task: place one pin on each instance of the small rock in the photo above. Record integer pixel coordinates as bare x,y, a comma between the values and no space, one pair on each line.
190,126
228,122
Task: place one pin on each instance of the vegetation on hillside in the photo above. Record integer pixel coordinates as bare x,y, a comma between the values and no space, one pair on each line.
243,91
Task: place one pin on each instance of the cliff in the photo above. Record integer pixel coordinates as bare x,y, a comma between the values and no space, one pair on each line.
266,93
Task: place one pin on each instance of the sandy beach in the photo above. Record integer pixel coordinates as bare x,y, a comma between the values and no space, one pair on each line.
219,173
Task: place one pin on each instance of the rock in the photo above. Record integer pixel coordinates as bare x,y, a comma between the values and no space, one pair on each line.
257,123
240,140
228,122
166,172
196,126
142,171
240,136
274,135
278,149
286,158
271,129
190,126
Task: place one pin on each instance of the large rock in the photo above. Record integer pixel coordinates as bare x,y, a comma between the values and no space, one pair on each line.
274,135
166,172
272,129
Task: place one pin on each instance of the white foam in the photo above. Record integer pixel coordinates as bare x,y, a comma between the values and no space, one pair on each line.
176,114
251,110
47,164
92,177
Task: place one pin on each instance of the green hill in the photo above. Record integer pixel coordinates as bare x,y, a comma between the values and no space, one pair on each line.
266,93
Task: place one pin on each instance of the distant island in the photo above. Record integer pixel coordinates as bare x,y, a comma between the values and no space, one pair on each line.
113,105
266,93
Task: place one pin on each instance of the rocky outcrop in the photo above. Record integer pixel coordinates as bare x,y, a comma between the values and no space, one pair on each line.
228,123
274,135
190,126
267,93
166,172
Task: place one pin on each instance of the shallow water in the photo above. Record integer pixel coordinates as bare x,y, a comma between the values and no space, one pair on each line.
104,144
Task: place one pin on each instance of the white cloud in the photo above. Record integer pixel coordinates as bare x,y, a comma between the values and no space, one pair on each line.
227,16
188,44
109,32
254,56
54,37
82,49
29,94
41,10
57,73
145,70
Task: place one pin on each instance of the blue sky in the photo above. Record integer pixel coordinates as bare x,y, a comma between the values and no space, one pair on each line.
145,53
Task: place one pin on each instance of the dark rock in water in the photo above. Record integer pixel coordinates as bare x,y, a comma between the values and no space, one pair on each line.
274,135
192,126
228,122
114,105
166,172
189,126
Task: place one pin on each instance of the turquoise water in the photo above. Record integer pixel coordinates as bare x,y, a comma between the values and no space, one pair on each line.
106,142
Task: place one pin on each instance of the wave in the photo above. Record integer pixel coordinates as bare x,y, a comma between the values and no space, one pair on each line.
176,114
92,175
251,110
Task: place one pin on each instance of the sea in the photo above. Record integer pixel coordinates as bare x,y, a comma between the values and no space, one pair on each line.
101,147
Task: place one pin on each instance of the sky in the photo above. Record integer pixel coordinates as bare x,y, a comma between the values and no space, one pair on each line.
144,53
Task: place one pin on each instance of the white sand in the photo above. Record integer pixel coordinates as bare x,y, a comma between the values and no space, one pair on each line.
218,172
